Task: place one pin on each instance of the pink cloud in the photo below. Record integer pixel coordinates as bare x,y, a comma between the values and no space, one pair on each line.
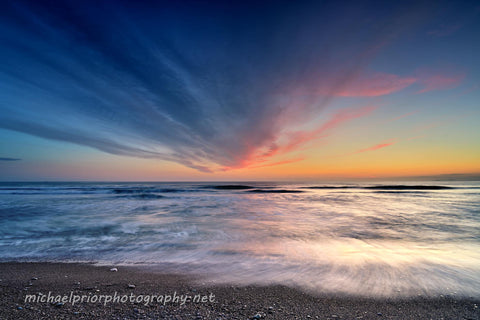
277,163
299,138
402,116
376,147
293,141
276,136
439,81
377,84
342,84
380,84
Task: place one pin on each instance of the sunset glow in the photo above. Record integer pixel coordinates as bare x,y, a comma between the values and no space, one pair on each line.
264,91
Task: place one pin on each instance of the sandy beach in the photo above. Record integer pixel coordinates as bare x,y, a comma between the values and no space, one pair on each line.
206,300
239,160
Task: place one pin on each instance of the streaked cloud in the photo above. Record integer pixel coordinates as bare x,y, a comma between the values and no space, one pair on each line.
445,30
9,159
377,146
431,82
372,85
209,86
288,141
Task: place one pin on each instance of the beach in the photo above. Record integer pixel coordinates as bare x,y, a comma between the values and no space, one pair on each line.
230,301
239,160
239,251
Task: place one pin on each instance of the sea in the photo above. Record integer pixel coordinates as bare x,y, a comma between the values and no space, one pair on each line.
359,238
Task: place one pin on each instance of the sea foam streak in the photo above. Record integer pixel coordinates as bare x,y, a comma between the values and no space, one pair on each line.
382,239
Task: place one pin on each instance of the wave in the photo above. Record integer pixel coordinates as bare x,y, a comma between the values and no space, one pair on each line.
405,187
231,187
147,190
142,190
385,187
50,190
143,196
400,191
356,240
275,191
331,187
88,190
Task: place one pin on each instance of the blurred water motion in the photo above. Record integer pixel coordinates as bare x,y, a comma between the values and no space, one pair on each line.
379,239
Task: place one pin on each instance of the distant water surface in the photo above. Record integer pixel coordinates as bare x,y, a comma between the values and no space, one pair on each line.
379,239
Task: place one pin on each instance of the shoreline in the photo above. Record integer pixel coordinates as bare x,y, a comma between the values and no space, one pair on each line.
19,279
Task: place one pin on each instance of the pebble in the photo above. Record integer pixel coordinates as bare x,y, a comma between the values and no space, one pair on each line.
113,270
34,278
58,304
259,315
131,286
19,308
379,314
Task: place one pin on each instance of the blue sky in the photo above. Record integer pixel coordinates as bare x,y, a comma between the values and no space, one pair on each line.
216,90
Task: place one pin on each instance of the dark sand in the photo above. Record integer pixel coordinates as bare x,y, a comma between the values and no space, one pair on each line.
231,302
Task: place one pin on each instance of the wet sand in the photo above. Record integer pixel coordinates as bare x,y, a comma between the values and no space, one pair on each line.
219,301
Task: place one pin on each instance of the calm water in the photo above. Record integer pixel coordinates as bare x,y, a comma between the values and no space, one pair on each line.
370,239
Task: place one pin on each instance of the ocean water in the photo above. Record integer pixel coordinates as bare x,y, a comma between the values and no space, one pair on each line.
375,239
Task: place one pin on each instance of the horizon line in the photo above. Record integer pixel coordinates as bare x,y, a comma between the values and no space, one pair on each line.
439,177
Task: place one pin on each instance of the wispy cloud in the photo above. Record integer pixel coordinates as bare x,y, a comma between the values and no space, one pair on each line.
375,84
377,146
371,85
9,159
445,30
276,163
299,138
408,114
288,141
431,82
169,83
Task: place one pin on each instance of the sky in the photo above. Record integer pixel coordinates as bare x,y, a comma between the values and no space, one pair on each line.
238,90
